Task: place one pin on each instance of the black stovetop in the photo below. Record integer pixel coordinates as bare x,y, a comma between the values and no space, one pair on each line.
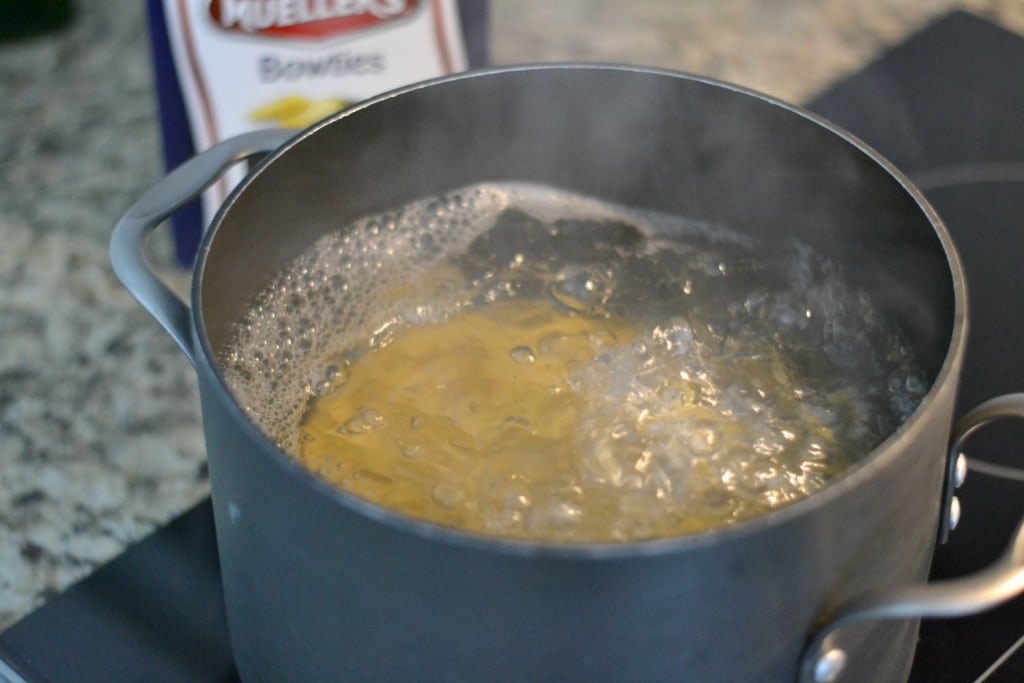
947,107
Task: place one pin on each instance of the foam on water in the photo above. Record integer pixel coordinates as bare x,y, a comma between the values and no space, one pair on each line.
751,376
350,290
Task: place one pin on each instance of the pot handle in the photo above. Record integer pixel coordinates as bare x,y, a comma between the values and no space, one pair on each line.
823,660
178,188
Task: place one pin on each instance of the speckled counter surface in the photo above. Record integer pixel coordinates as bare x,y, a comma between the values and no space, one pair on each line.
100,435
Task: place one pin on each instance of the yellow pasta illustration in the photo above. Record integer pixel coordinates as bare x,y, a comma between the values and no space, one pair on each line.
294,111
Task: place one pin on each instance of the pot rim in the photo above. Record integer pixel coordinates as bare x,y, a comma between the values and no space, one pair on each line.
881,457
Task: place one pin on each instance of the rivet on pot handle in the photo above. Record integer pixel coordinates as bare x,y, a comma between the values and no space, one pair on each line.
823,660
178,188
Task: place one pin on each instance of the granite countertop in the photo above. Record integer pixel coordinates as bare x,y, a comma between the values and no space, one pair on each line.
100,433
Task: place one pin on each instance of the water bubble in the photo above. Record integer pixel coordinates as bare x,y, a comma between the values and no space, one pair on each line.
365,420
384,334
448,495
554,518
565,512
522,355
581,291
412,451
659,483
702,440
508,500
516,422
631,482
619,431
551,345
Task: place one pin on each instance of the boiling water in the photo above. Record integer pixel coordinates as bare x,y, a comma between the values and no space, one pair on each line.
513,360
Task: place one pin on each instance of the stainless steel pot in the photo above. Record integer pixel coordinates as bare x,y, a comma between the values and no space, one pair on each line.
322,586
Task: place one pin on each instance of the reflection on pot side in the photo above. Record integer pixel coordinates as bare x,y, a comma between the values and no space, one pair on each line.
551,367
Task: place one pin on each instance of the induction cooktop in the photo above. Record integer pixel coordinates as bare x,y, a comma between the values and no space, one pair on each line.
947,107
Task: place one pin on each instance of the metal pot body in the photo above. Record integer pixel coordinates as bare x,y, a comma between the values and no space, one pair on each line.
321,586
